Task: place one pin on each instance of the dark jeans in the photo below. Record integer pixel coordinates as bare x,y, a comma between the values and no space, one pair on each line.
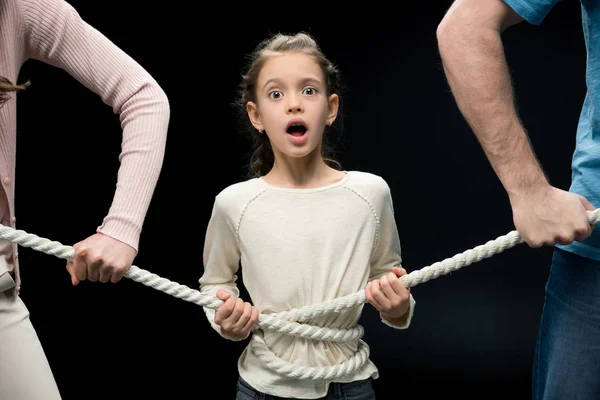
567,354
359,390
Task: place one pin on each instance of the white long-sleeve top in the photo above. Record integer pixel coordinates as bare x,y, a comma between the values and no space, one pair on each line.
298,247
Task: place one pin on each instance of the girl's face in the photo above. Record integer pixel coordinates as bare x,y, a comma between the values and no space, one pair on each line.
292,105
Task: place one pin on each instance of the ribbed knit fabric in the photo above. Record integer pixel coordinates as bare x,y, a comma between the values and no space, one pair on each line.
52,31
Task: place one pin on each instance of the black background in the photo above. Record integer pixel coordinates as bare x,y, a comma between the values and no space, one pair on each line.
473,333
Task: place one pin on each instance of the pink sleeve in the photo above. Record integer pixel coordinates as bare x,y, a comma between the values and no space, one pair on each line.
56,35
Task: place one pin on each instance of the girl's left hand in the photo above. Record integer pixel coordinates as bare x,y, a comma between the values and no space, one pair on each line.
388,295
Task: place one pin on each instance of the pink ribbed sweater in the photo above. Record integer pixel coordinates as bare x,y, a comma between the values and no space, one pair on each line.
52,31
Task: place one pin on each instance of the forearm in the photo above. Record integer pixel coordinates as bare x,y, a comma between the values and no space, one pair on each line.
474,62
56,34
144,120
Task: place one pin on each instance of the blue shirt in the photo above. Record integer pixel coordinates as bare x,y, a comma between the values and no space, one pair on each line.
585,177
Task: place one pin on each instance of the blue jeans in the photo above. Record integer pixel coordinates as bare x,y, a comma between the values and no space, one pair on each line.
359,390
567,354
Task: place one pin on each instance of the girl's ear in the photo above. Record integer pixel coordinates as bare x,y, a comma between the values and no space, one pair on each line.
254,115
333,106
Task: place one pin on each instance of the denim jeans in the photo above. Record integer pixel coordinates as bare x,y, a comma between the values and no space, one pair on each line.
567,354
359,390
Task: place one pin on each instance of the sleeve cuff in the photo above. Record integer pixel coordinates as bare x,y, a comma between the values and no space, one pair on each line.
408,319
533,14
210,315
128,234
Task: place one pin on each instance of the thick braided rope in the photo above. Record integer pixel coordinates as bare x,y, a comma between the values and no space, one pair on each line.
285,321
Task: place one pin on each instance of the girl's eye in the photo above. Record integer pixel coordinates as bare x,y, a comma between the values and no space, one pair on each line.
310,91
275,94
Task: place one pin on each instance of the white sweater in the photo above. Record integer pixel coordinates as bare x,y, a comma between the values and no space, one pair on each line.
298,247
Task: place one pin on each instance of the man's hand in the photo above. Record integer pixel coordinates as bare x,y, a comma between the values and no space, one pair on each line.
547,216
100,258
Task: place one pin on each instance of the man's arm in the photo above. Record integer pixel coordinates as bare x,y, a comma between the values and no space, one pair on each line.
472,53
473,58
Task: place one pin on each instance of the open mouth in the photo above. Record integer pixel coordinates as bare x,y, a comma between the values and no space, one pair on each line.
296,129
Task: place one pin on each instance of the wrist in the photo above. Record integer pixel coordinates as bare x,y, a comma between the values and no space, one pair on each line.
521,174
528,189
233,337
395,319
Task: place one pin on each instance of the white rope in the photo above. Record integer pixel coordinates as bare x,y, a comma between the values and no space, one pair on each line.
286,321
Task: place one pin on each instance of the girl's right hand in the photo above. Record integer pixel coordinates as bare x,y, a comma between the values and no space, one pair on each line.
235,317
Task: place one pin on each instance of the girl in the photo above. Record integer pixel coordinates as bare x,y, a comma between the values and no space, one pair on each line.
304,230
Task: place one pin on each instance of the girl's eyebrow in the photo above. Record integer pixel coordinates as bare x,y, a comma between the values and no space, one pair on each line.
310,79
